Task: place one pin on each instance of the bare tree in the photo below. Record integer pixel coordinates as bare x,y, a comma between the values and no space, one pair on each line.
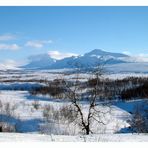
139,122
75,94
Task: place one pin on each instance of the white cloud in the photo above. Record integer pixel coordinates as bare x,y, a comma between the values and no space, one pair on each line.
13,47
9,64
57,55
126,52
142,57
38,43
6,37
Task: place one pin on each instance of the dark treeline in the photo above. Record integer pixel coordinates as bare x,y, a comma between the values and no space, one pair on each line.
52,88
138,92
125,89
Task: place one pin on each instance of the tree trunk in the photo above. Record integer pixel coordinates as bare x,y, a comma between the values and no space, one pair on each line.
87,130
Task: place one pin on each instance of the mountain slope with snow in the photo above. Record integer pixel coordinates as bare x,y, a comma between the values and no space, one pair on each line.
90,59
99,52
39,61
44,61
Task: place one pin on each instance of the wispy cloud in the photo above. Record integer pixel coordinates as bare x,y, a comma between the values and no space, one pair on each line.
57,55
38,43
142,57
126,52
9,64
12,47
7,37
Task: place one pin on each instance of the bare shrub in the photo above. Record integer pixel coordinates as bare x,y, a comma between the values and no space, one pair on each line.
64,113
7,109
48,112
7,112
1,105
57,121
36,105
52,88
139,122
68,113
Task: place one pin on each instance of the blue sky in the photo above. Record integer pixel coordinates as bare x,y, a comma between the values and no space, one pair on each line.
62,31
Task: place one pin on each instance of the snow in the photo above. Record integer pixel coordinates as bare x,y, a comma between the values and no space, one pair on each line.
31,118
116,61
44,61
121,76
17,137
21,77
131,67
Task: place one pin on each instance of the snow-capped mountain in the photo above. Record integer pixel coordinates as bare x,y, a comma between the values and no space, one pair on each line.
90,59
39,61
99,52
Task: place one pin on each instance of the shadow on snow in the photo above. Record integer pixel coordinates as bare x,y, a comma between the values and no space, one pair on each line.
23,126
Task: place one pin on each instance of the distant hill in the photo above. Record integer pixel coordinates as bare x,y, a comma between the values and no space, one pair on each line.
90,59
39,61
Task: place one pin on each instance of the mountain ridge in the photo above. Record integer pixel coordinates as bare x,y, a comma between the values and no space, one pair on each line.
89,59
38,61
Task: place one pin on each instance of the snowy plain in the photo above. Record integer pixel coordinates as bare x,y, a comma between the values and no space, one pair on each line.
17,137
29,119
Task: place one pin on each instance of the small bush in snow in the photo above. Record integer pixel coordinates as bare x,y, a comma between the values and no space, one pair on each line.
57,121
139,123
36,105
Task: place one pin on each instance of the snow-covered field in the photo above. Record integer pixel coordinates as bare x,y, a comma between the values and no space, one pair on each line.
27,75
29,120
17,137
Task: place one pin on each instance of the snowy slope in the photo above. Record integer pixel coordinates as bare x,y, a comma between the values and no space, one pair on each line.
133,67
30,118
116,62
39,61
91,59
99,52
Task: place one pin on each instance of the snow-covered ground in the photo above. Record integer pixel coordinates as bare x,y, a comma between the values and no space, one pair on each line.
17,137
32,75
28,119
133,67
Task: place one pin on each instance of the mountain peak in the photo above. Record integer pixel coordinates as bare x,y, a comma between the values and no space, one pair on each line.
96,51
100,52
89,59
